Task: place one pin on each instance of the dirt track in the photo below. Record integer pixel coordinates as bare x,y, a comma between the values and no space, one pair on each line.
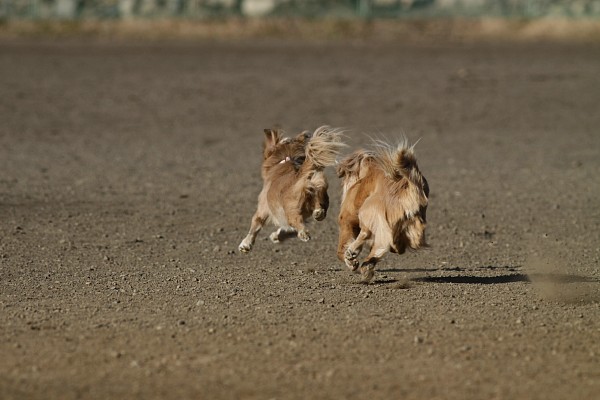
129,173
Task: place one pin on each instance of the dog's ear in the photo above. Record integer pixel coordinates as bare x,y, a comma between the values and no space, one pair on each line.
340,169
350,165
303,136
272,137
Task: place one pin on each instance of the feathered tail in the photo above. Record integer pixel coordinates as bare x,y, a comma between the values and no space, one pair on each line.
323,147
399,162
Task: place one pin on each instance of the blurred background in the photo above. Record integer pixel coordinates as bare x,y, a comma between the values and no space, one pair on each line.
205,9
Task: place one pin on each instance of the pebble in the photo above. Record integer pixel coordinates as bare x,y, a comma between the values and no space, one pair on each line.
115,354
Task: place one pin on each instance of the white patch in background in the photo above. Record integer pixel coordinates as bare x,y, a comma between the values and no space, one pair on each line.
257,8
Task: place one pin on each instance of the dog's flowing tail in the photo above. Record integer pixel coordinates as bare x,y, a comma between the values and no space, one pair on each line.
399,163
323,147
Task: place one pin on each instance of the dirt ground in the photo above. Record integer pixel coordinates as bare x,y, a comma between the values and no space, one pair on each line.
129,173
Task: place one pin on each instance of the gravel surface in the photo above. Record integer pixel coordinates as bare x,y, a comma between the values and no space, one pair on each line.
129,174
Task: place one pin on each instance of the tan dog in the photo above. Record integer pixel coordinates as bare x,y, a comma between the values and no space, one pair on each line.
384,202
294,185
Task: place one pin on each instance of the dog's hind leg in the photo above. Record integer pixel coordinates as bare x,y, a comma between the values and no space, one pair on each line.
353,250
258,221
281,233
367,269
274,237
349,230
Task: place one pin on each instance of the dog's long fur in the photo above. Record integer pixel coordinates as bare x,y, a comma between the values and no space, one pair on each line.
294,185
384,204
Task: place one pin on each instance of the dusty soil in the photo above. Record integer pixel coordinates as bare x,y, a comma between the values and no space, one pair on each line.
129,173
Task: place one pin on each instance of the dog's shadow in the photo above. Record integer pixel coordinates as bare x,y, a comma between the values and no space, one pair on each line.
478,280
470,276
507,278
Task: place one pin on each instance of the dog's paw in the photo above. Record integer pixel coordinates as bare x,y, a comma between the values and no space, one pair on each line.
274,237
351,264
351,254
351,259
319,214
304,236
245,246
368,272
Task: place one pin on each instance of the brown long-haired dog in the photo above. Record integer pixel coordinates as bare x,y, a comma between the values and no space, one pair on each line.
294,185
384,202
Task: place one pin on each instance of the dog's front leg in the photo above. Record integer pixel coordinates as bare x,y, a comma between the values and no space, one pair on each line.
258,221
321,205
321,198
297,223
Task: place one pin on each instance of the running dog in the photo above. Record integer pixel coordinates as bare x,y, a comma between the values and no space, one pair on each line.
384,202
294,185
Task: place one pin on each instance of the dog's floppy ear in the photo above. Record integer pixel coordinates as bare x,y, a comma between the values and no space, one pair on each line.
272,137
350,165
303,136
